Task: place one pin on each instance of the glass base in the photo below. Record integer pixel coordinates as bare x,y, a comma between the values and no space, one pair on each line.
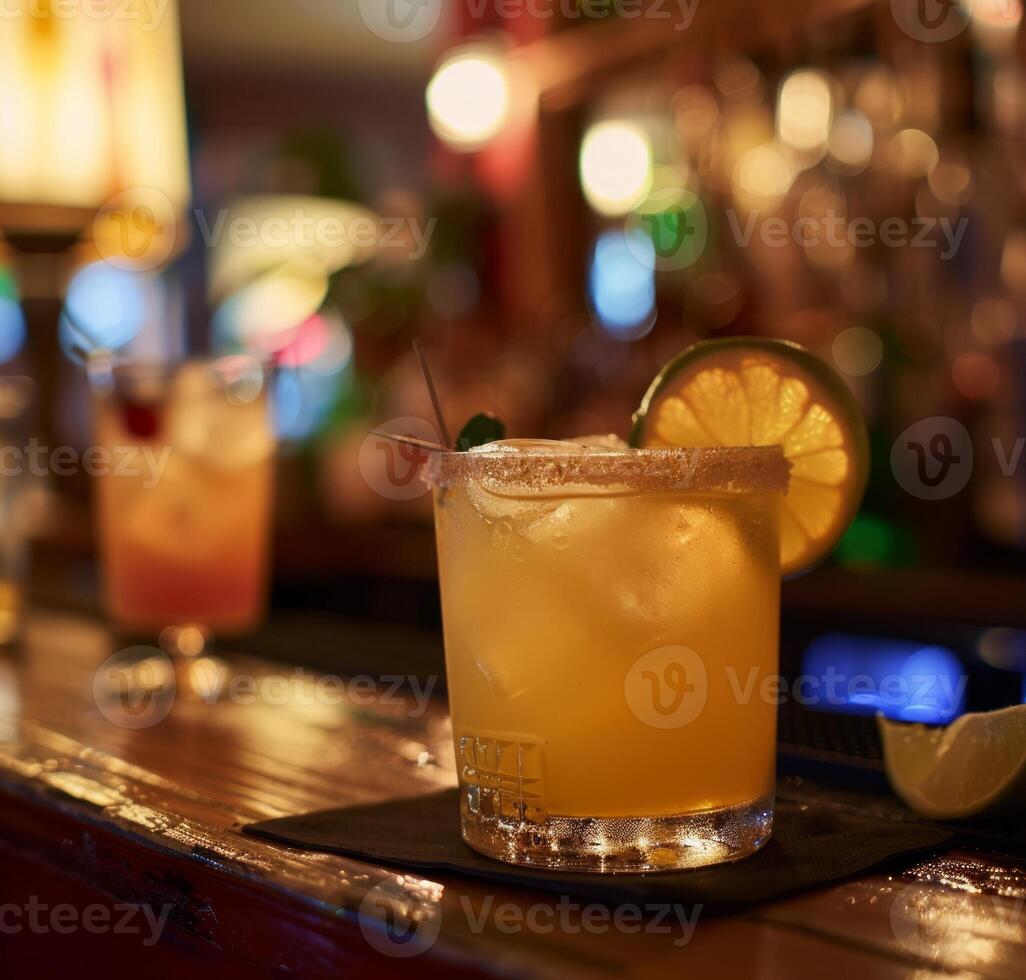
617,845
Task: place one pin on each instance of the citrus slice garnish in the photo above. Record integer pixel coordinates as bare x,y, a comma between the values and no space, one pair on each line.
752,391
975,765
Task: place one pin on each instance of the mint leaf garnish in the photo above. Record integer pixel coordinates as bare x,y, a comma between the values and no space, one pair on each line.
479,431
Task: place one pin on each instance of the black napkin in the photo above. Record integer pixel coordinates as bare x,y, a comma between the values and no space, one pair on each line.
811,845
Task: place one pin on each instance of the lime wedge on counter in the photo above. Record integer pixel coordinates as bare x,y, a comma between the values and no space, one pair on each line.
976,764
753,391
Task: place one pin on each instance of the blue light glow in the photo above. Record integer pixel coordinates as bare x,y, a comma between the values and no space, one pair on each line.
104,307
12,328
622,283
303,400
864,674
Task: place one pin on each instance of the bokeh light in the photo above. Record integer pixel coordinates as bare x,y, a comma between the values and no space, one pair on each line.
764,175
12,328
950,182
323,343
468,98
312,373
264,316
850,145
104,308
857,351
993,320
622,283
913,153
880,660
1013,261
976,375
804,112
995,24
616,167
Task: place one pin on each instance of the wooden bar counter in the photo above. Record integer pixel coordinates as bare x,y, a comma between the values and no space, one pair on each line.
95,816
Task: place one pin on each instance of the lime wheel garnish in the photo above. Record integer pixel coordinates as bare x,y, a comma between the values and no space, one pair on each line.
752,391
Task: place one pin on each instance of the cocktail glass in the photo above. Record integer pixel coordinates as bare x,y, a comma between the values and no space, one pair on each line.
611,625
17,395
184,500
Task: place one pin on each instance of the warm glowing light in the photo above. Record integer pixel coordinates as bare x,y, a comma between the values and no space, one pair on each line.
738,80
468,98
1000,13
261,234
616,167
995,23
913,153
879,96
1013,261
1003,648
266,314
91,105
695,113
765,174
857,351
976,375
993,321
950,182
851,141
804,112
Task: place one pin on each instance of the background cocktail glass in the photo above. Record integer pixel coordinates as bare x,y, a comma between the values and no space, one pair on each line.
611,621
184,518
16,397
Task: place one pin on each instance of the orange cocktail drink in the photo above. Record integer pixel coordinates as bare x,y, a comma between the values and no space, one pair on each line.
610,620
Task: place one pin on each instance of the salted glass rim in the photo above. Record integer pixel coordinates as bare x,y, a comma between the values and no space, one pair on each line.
737,469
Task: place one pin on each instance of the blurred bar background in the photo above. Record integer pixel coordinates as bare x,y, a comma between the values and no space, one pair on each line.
555,198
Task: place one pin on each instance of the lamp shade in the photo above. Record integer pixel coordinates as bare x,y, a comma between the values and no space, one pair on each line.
91,107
